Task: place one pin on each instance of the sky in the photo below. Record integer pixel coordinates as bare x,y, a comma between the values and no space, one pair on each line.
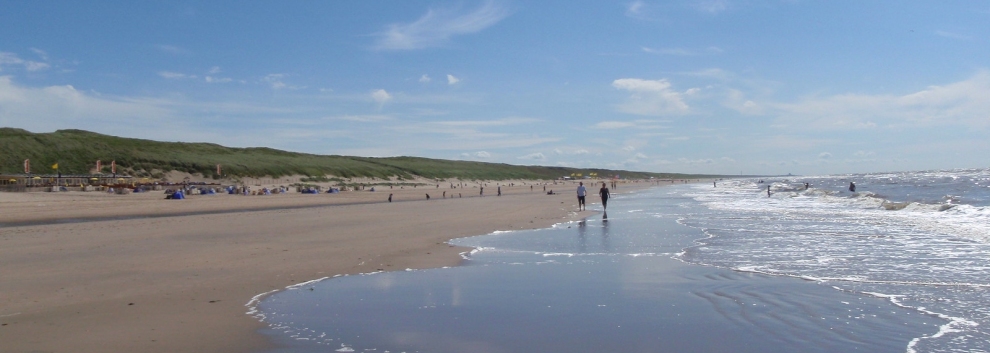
691,86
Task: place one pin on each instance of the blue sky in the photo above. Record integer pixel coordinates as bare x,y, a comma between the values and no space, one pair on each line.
712,86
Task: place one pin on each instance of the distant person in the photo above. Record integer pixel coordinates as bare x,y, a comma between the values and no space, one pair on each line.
499,191
852,187
482,193
427,196
806,186
581,193
603,192
389,197
768,190
444,194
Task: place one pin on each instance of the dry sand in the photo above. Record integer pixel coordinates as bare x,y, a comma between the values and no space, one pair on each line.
93,272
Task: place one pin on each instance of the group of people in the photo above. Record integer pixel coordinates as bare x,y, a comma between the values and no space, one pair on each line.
582,192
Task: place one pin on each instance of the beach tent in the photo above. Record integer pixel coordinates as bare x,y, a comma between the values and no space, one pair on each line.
178,195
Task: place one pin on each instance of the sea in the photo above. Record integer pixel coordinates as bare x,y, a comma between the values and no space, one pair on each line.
774,264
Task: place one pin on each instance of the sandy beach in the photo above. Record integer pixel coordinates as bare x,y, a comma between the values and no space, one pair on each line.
95,272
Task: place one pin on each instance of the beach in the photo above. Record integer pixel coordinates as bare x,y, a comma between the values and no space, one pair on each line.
95,272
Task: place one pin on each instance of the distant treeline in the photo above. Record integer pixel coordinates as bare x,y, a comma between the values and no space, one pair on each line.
76,152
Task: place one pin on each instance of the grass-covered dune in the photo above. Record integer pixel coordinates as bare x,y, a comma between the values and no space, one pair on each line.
76,152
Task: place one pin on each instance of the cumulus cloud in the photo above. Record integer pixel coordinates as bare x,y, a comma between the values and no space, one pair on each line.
824,155
438,26
737,100
424,78
479,154
534,157
451,80
650,97
381,97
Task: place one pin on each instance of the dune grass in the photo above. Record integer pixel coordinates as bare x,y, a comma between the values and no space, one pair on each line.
76,152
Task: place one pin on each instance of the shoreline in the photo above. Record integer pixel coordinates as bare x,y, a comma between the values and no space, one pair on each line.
182,285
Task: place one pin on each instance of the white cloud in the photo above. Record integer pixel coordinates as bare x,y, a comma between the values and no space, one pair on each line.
581,152
424,78
479,154
41,109
960,103
651,97
451,80
214,70
174,75
381,97
437,26
614,125
824,155
41,53
212,79
635,8
736,100
628,148
534,157
11,59
275,80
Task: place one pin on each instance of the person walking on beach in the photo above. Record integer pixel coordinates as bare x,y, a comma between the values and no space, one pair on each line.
499,191
389,197
581,193
603,192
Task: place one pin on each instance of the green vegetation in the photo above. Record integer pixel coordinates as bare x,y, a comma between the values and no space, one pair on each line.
76,152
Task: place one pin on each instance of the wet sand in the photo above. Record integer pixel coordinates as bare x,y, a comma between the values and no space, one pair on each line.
93,272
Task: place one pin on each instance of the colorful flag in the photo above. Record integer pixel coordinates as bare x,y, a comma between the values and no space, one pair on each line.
55,166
